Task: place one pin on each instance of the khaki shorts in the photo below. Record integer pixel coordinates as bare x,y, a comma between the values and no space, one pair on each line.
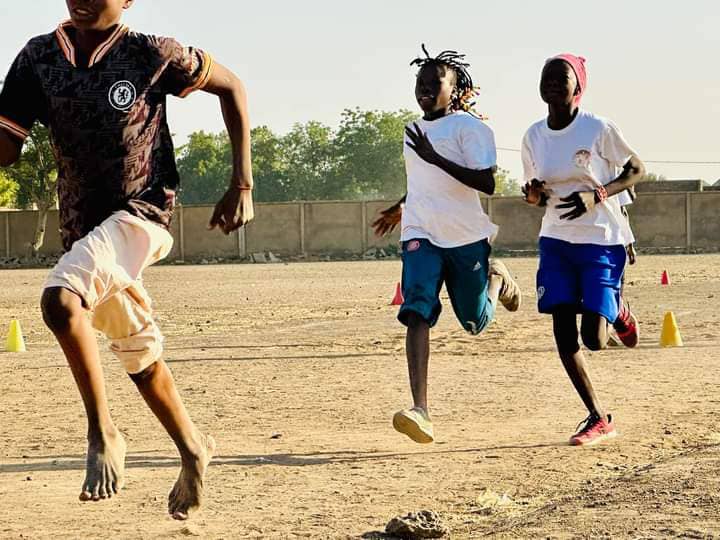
105,269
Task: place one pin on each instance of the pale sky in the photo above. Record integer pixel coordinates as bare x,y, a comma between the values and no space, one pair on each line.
652,65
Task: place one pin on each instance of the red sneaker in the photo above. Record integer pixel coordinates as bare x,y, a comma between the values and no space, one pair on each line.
626,326
594,430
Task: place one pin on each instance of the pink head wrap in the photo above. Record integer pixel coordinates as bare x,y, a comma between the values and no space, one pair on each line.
578,65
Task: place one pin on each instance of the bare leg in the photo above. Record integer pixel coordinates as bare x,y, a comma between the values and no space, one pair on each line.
157,387
594,330
65,316
566,337
494,283
417,346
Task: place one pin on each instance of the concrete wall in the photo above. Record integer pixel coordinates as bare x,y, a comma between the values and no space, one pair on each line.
660,220
670,185
333,226
519,223
704,219
198,241
276,228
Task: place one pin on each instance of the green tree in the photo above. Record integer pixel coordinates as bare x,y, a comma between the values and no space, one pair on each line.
504,185
369,150
36,176
362,159
311,164
269,166
205,167
8,191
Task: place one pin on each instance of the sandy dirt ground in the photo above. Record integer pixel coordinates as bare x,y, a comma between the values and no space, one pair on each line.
297,369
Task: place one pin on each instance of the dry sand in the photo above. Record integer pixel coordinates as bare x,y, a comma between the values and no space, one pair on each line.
312,354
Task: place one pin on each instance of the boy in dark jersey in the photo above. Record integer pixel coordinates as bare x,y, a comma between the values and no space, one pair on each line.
101,90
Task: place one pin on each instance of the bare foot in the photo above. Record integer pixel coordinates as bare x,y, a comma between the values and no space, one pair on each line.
187,494
105,474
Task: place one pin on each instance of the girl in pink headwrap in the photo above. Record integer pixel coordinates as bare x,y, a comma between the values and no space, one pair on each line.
579,166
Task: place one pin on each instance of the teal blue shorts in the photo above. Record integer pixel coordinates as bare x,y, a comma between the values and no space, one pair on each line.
463,270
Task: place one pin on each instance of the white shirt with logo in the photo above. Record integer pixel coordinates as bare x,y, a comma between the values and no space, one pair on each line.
585,155
440,208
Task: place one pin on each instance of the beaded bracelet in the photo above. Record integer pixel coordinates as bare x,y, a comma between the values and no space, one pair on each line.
601,194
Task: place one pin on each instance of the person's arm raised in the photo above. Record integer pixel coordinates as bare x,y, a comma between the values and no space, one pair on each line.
235,208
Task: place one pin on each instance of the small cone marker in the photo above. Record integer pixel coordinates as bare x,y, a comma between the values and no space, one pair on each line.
15,341
665,279
398,300
670,336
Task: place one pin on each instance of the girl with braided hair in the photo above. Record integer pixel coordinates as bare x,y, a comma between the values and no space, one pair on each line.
450,156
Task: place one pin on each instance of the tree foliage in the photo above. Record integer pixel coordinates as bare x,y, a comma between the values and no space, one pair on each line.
8,191
361,159
36,171
652,177
35,174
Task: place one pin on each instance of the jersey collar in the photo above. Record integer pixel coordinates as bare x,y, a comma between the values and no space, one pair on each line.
98,54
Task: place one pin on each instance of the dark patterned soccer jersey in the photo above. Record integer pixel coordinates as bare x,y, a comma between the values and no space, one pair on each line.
107,120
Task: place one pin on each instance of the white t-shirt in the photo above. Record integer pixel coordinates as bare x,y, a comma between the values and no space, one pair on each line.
439,207
587,154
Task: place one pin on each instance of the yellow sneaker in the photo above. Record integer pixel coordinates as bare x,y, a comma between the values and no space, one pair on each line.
510,295
415,423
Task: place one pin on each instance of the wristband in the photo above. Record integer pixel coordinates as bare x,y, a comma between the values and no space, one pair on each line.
601,194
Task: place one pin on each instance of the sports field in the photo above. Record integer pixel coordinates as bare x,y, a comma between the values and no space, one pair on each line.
296,371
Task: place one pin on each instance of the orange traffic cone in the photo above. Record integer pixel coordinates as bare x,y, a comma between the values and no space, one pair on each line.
665,279
398,300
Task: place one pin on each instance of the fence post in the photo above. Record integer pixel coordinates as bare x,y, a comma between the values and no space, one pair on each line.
302,228
182,232
688,221
7,234
364,225
242,245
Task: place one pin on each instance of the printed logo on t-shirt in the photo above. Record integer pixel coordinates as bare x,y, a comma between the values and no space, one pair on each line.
413,245
122,95
541,292
478,266
582,158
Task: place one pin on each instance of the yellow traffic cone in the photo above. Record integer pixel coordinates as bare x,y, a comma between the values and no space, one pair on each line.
670,336
15,341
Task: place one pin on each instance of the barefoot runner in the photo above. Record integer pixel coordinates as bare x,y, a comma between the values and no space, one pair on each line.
101,90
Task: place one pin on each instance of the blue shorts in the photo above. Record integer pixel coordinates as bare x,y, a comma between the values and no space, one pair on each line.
464,270
587,276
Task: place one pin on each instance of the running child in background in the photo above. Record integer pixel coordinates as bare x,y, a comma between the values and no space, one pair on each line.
630,334
450,156
101,90
571,159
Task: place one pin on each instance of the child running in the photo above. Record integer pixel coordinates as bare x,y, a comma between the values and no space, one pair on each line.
450,156
632,332
571,161
101,90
